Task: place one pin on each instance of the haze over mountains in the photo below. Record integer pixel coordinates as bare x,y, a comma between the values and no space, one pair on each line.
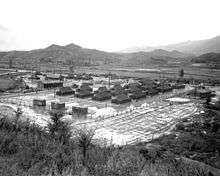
197,47
72,53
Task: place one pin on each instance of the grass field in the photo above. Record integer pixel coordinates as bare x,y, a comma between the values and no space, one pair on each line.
155,72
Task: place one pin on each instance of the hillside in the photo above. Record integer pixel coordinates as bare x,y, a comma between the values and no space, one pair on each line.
195,47
59,54
77,55
208,58
156,57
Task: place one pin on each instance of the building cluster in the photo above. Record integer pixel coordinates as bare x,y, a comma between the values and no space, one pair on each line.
118,93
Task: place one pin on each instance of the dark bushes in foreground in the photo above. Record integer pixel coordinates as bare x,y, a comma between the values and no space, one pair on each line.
27,149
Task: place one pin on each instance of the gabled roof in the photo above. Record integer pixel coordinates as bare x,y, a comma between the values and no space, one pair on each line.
117,86
6,84
122,97
102,89
66,90
85,87
53,76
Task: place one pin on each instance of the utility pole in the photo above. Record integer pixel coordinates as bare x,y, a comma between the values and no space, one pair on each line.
10,63
109,79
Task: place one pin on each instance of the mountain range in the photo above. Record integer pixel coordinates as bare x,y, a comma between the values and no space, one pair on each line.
55,53
197,47
74,54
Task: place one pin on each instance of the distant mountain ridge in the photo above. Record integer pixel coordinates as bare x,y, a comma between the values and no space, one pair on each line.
75,54
57,53
197,47
155,57
208,58
72,52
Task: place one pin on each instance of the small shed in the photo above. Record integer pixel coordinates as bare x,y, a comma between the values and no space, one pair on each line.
38,102
57,106
79,110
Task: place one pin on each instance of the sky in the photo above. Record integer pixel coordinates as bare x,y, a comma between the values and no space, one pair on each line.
109,25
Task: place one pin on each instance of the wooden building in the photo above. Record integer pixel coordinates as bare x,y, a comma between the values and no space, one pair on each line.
178,86
34,77
117,90
83,94
54,77
102,89
202,93
79,110
84,91
49,84
38,102
101,96
57,106
65,91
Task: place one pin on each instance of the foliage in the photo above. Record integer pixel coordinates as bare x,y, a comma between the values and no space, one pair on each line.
27,149
84,140
181,73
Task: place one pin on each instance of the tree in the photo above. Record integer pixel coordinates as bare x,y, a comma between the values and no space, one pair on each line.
181,73
71,68
84,138
59,129
18,113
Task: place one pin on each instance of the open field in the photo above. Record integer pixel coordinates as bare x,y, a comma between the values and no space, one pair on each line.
156,72
119,124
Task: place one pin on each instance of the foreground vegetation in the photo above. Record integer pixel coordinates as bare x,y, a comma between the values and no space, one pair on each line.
197,138
27,149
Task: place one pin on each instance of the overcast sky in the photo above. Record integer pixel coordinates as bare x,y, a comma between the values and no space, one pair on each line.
108,25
